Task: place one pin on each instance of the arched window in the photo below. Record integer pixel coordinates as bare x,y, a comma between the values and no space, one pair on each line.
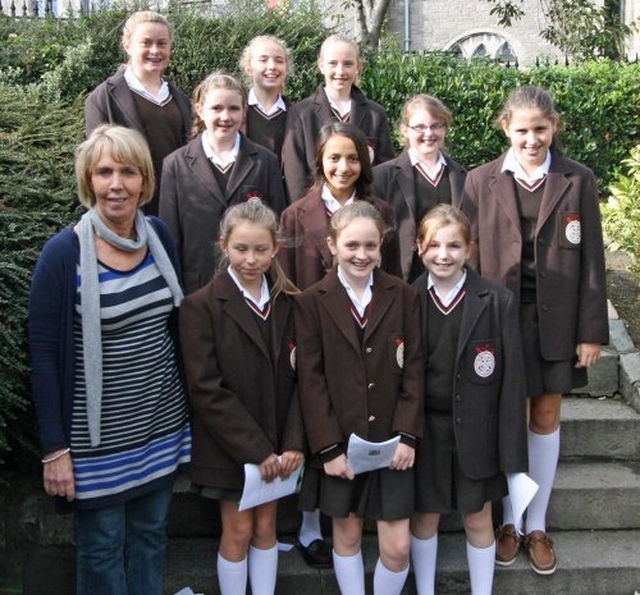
490,45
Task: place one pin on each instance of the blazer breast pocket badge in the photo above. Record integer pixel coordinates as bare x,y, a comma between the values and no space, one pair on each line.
570,230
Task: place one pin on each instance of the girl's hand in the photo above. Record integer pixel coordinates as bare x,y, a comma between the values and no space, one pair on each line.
58,477
338,467
270,468
289,462
403,458
588,354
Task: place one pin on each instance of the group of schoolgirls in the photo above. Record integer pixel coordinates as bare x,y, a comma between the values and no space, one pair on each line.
300,326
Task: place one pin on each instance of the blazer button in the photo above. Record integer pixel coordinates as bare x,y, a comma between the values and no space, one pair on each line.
372,418
458,420
371,385
545,308
458,398
368,350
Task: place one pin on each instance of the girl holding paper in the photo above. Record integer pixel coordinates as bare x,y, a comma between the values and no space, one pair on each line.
242,383
475,420
360,371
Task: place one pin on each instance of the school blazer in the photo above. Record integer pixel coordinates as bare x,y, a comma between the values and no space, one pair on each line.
306,119
192,203
393,181
374,389
570,271
489,393
305,256
111,102
245,406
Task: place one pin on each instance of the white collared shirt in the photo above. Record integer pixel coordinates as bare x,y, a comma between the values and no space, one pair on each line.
511,164
343,112
208,151
446,300
330,202
134,83
264,290
432,172
279,105
359,304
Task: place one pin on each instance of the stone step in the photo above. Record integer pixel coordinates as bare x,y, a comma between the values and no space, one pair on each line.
589,563
605,428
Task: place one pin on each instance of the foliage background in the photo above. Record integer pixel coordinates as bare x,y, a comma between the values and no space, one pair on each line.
48,65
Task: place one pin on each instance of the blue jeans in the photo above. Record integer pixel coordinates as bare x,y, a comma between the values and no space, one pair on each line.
120,548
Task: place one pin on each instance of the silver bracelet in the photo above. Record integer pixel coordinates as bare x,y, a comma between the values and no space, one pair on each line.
66,451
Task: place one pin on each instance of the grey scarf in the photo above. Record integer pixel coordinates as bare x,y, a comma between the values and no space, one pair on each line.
90,297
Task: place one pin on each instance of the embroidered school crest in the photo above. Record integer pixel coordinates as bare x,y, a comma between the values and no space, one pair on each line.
292,354
485,361
400,353
573,229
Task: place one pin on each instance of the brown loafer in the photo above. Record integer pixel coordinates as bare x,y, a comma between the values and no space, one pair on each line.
542,558
507,545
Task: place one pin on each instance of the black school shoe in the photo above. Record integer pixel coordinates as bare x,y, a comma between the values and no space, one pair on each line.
317,554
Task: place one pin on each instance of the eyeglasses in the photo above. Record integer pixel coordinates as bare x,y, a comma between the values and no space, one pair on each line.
422,128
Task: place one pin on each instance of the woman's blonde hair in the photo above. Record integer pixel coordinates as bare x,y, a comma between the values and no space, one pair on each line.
216,80
360,209
256,211
123,145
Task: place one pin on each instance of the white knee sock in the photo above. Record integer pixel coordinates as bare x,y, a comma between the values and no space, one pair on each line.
263,569
232,576
387,582
481,565
424,553
349,573
543,462
310,528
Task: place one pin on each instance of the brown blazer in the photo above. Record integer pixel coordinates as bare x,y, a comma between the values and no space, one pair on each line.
306,119
489,411
192,203
244,395
373,388
393,182
111,102
570,274
305,256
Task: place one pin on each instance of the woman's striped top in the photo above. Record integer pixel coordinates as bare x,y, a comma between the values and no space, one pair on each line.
145,432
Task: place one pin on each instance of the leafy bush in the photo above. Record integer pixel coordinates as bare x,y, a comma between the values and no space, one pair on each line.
621,212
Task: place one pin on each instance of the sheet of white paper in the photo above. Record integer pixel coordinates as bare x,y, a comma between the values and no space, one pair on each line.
256,491
522,489
363,455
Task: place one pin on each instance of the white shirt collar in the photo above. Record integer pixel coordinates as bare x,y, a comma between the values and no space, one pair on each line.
511,164
208,151
343,112
278,105
330,202
447,299
134,83
360,305
264,289
441,162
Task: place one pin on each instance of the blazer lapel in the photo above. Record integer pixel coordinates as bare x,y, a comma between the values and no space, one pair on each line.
236,308
406,183
314,225
381,301
473,307
123,97
243,165
555,188
201,169
337,304
501,186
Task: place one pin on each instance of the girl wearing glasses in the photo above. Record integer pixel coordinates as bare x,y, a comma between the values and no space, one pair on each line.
421,177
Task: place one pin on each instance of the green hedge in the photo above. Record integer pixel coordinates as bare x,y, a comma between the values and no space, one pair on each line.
47,67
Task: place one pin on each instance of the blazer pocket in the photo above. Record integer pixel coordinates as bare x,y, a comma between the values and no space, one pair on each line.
395,350
569,230
483,361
